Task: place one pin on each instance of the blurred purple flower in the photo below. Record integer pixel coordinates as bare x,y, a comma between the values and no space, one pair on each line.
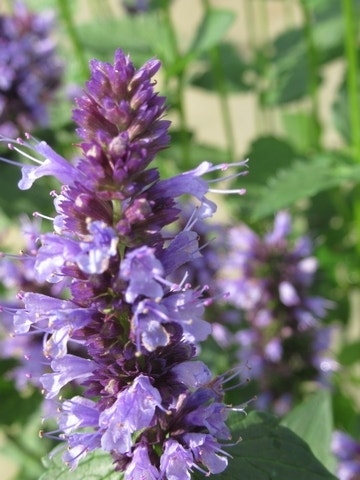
136,7
268,281
347,453
30,71
17,273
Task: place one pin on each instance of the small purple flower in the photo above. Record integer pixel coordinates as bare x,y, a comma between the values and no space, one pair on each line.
17,272
97,251
30,71
347,452
54,165
136,7
207,452
176,461
143,271
66,369
141,466
134,410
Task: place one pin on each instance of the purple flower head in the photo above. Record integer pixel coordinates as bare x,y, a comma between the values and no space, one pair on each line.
268,280
30,71
122,114
136,330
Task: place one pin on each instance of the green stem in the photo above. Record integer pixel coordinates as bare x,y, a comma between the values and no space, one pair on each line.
220,81
350,16
313,73
251,32
65,12
180,86
266,42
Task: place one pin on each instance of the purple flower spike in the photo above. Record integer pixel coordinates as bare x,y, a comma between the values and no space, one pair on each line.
269,281
30,71
125,333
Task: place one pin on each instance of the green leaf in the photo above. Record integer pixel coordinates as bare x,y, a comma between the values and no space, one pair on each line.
212,29
300,128
142,36
21,444
340,108
233,67
96,465
26,402
313,422
346,412
289,65
269,451
350,353
266,156
303,179
289,80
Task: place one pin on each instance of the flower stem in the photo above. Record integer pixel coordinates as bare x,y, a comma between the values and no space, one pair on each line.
220,81
350,16
180,86
313,74
251,31
65,13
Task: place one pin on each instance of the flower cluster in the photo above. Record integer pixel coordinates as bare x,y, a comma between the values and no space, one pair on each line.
145,399
268,280
29,70
17,272
347,453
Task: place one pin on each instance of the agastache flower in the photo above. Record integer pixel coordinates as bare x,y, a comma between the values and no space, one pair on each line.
30,71
144,396
268,280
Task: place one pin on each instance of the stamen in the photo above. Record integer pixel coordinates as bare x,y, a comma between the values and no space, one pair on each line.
41,215
238,191
228,177
24,154
172,286
242,406
20,256
182,285
192,220
11,162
